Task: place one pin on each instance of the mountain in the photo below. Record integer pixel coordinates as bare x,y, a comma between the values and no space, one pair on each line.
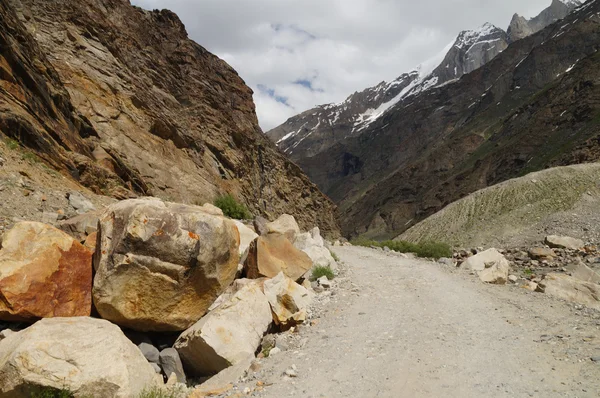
535,105
120,100
315,130
521,27
309,133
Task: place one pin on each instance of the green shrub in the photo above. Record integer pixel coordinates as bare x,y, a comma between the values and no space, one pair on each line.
30,157
424,249
49,392
161,392
232,208
321,270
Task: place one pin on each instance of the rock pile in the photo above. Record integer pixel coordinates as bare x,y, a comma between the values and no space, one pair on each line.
193,291
562,267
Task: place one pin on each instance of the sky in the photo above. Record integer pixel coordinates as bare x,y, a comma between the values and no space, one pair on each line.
296,54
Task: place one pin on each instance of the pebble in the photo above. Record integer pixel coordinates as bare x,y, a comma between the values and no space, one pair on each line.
291,371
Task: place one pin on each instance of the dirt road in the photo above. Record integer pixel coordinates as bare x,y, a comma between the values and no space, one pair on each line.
410,328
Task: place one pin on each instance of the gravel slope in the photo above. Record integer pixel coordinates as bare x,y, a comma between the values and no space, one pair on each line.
409,328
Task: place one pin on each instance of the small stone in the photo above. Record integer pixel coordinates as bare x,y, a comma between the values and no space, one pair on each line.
324,282
274,351
595,359
291,371
513,278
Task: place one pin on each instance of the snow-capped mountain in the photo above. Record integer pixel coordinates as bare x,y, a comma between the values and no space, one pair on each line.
311,132
317,129
521,27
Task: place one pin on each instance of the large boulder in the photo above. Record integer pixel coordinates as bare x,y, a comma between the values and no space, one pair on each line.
564,242
284,225
478,262
43,273
572,289
228,335
274,253
89,357
289,301
313,245
160,266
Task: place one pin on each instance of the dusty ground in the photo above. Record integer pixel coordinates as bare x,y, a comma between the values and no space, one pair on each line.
410,328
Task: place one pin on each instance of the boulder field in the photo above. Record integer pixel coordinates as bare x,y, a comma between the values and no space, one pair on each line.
179,291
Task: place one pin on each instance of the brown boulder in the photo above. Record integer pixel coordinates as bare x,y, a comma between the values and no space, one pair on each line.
161,265
43,273
274,253
541,253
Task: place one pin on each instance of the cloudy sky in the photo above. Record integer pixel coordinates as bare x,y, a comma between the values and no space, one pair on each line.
296,54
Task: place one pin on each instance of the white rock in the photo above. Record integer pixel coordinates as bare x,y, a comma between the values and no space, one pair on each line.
274,351
564,242
497,273
478,262
246,237
325,282
90,357
229,334
285,225
572,289
289,301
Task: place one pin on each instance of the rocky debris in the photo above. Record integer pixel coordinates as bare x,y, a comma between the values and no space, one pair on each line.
80,203
161,265
81,226
274,253
170,362
43,273
228,335
285,225
541,253
247,236
90,357
478,262
572,289
564,242
289,301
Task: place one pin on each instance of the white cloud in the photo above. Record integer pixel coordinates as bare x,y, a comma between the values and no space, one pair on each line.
339,46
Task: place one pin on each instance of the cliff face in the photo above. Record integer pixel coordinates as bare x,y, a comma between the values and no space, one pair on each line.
520,27
122,100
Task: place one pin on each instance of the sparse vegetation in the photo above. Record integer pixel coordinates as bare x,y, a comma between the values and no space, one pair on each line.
528,271
50,392
232,208
161,392
12,144
30,157
435,250
321,270
335,256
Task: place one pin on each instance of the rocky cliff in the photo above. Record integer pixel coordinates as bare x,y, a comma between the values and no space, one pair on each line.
521,27
533,106
122,101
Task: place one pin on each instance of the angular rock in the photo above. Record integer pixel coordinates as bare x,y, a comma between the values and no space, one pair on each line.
81,226
80,203
313,245
572,289
171,363
228,335
289,301
149,352
260,225
43,273
212,209
564,242
582,272
324,282
478,262
271,254
541,253
284,225
247,236
90,357
91,241
159,265
497,273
